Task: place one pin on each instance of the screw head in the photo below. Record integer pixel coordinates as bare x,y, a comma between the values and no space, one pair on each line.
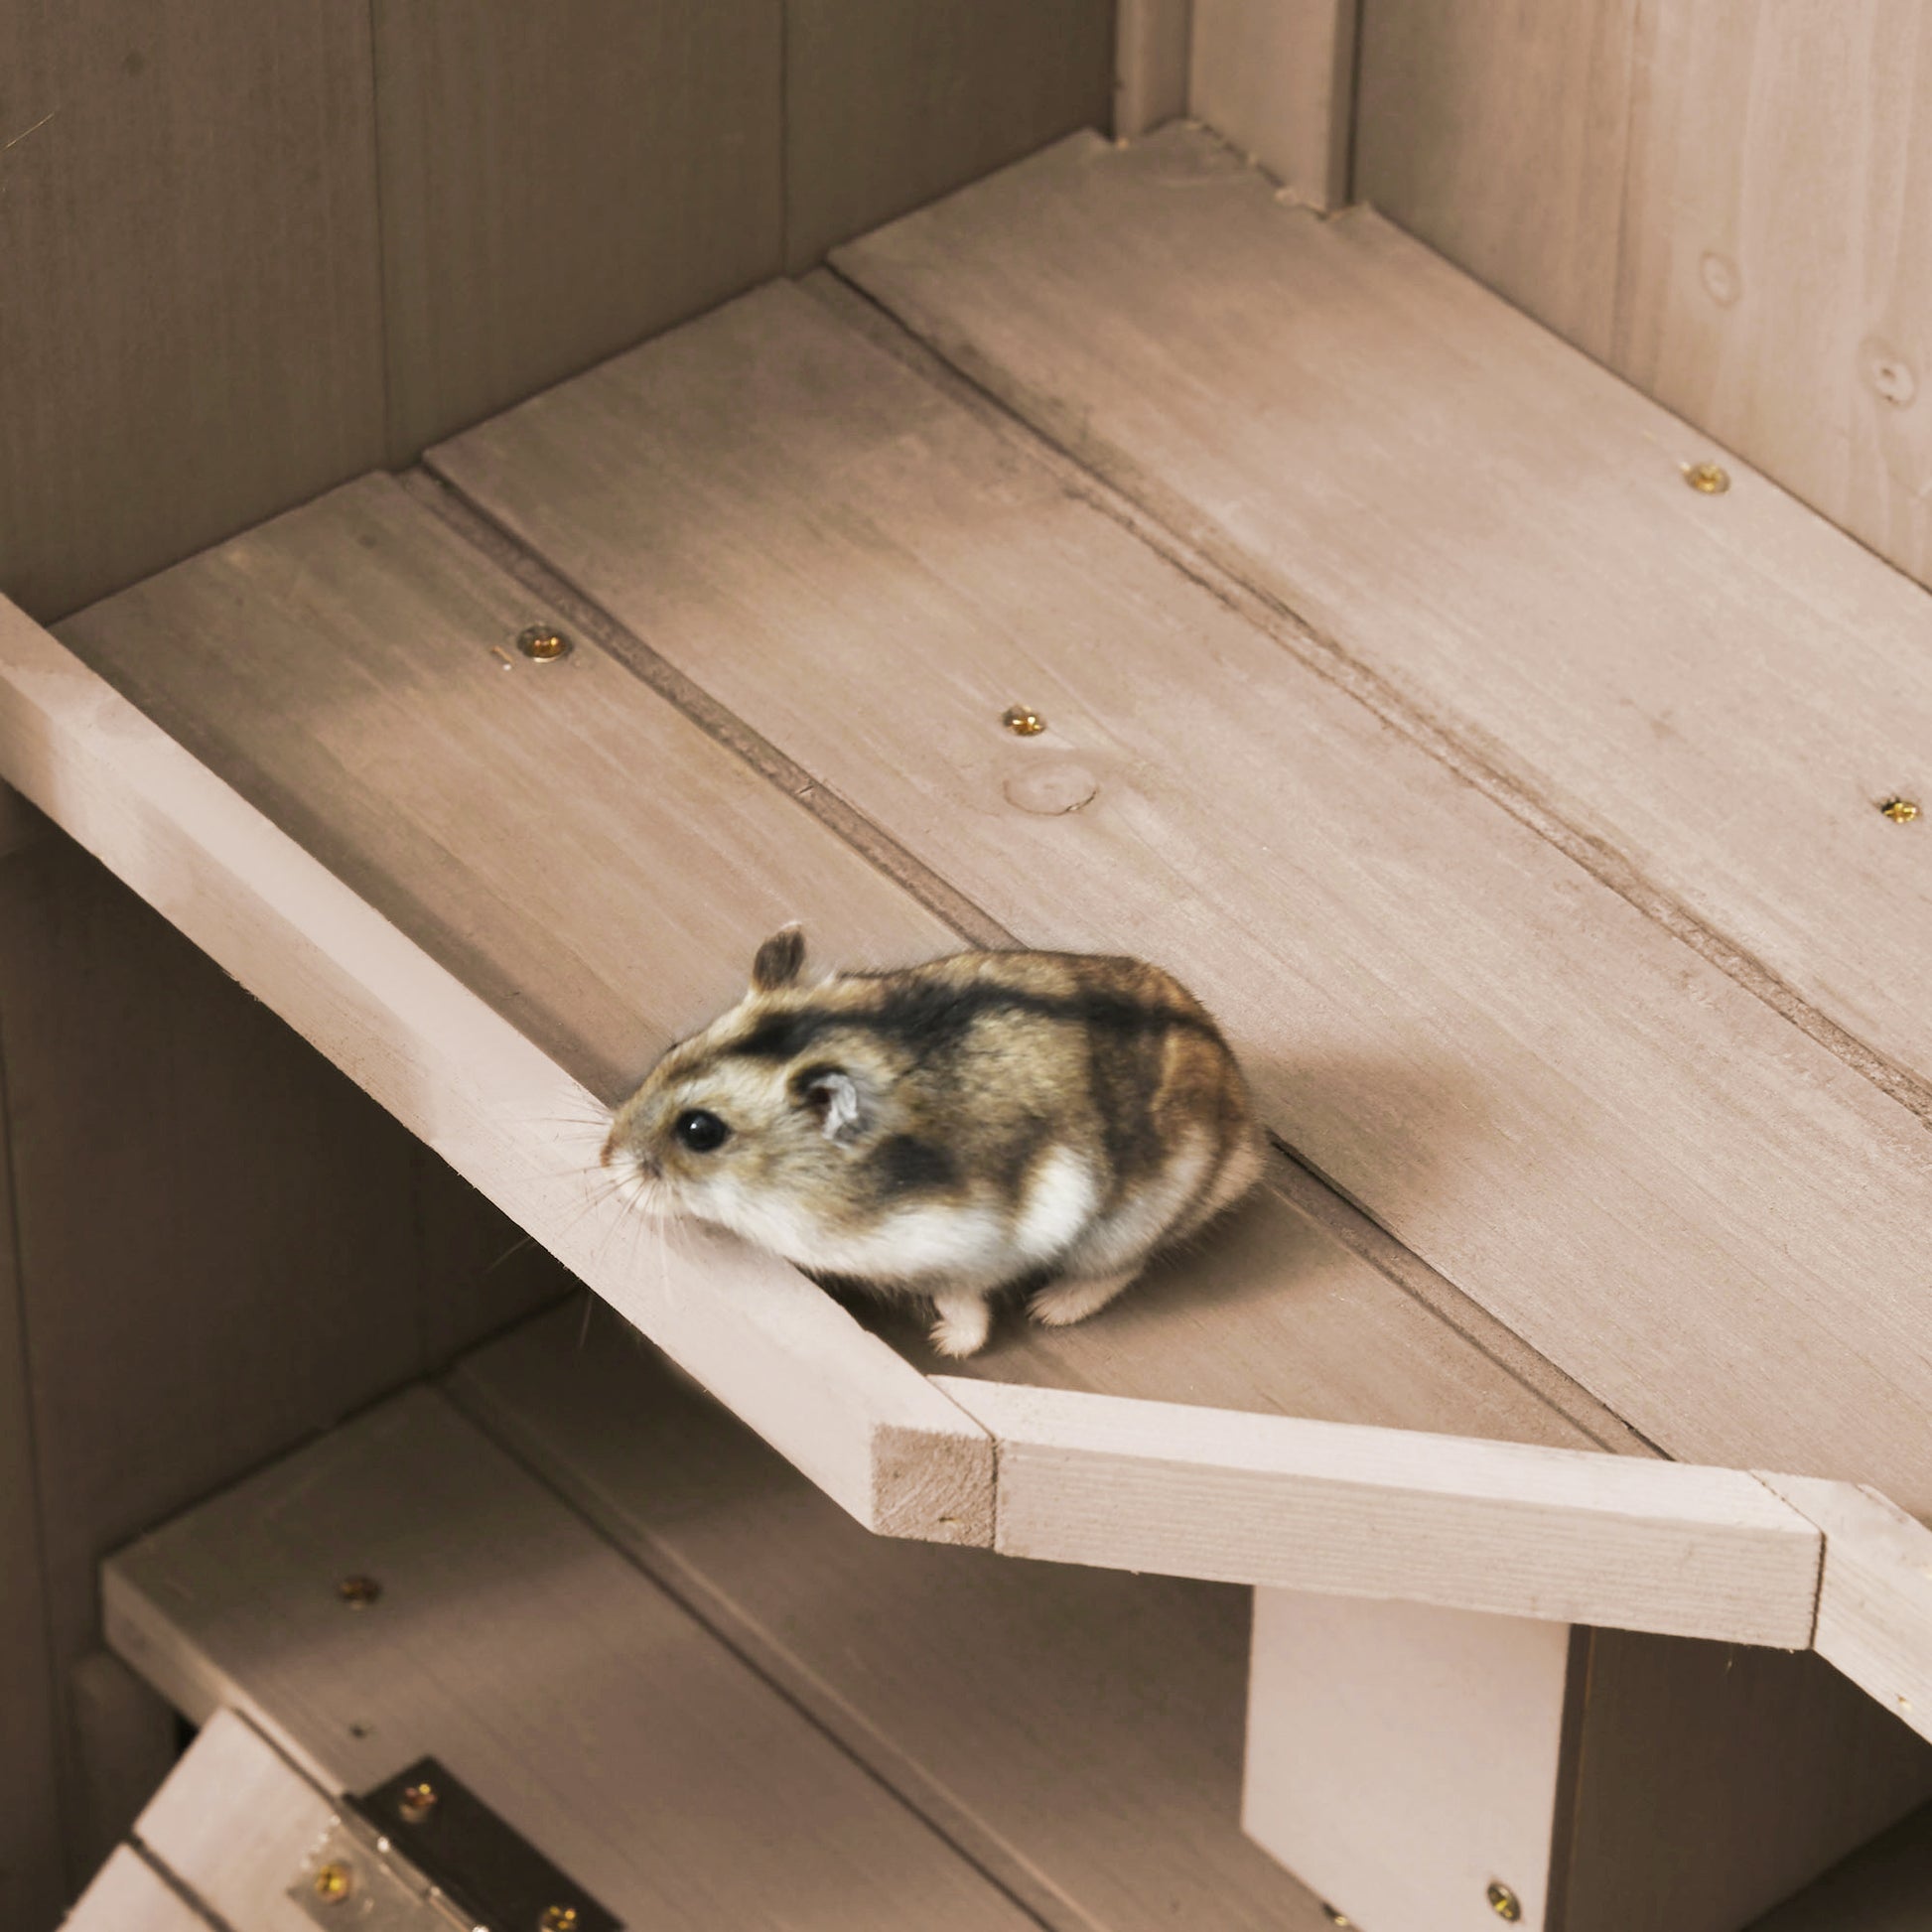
1504,1902
358,1593
1335,1917
559,1918
1023,720
418,1800
1707,479
1901,811
333,1881
543,644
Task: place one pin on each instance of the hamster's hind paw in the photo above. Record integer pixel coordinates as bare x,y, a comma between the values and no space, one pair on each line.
963,1324
1060,1305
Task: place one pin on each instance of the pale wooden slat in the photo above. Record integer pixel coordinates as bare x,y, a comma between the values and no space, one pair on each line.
1277,79
1356,1511
235,1824
193,336
559,183
458,1075
1499,136
1713,1225
1875,1606
887,106
1076,1731
1490,536
565,1690
129,1896
1150,49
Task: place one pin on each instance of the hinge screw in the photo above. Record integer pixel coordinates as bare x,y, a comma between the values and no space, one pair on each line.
1707,479
1023,720
543,644
1335,1917
1504,1902
560,1918
418,1800
358,1593
1901,811
334,1882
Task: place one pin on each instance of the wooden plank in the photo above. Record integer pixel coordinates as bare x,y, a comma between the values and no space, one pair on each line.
32,1881
1875,1606
558,184
1498,134
1742,1774
235,1826
1076,1731
1279,81
1402,1758
1150,49
191,200
510,1119
887,106
129,1896
1350,1510
1775,276
1713,1223
567,1691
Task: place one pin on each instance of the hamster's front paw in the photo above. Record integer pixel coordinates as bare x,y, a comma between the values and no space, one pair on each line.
963,1324
1060,1304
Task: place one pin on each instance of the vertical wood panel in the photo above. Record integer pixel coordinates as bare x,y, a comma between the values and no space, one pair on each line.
892,102
560,182
1152,39
1776,285
190,317
32,1886
1494,129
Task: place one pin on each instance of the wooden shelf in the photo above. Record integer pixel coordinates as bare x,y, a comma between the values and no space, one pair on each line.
1597,1172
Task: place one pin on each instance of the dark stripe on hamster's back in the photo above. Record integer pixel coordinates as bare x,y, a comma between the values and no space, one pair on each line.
904,1165
1124,1075
927,1017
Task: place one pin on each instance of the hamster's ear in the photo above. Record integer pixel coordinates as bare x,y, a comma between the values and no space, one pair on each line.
778,960
842,1106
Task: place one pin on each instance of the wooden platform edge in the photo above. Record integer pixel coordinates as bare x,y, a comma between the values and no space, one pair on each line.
861,1421
1874,1599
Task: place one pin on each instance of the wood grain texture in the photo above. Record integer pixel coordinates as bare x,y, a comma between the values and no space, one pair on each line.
1278,83
1151,49
890,102
1497,132
566,1690
193,336
1077,1732
1708,1782
129,1896
1356,1511
1364,1771
235,1826
459,1076
1875,1606
558,183
1726,202
1646,1172
33,1881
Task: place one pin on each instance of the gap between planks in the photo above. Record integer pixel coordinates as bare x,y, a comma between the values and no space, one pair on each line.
1293,1175
1109,482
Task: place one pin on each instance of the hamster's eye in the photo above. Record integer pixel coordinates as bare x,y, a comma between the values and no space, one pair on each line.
701,1131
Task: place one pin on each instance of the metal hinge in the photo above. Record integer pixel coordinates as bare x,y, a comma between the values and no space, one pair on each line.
422,1853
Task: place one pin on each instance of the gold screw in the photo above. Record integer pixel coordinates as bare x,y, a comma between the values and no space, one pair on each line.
1707,479
1504,1902
1901,811
334,1882
418,1800
560,1918
358,1593
1335,1917
543,644
1023,720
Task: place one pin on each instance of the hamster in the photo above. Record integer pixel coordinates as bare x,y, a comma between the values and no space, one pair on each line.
945,1130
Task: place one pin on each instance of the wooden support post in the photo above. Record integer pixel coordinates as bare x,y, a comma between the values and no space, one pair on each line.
1151,39
1430,1770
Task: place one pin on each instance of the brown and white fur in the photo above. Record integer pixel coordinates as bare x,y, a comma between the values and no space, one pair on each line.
944,1130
